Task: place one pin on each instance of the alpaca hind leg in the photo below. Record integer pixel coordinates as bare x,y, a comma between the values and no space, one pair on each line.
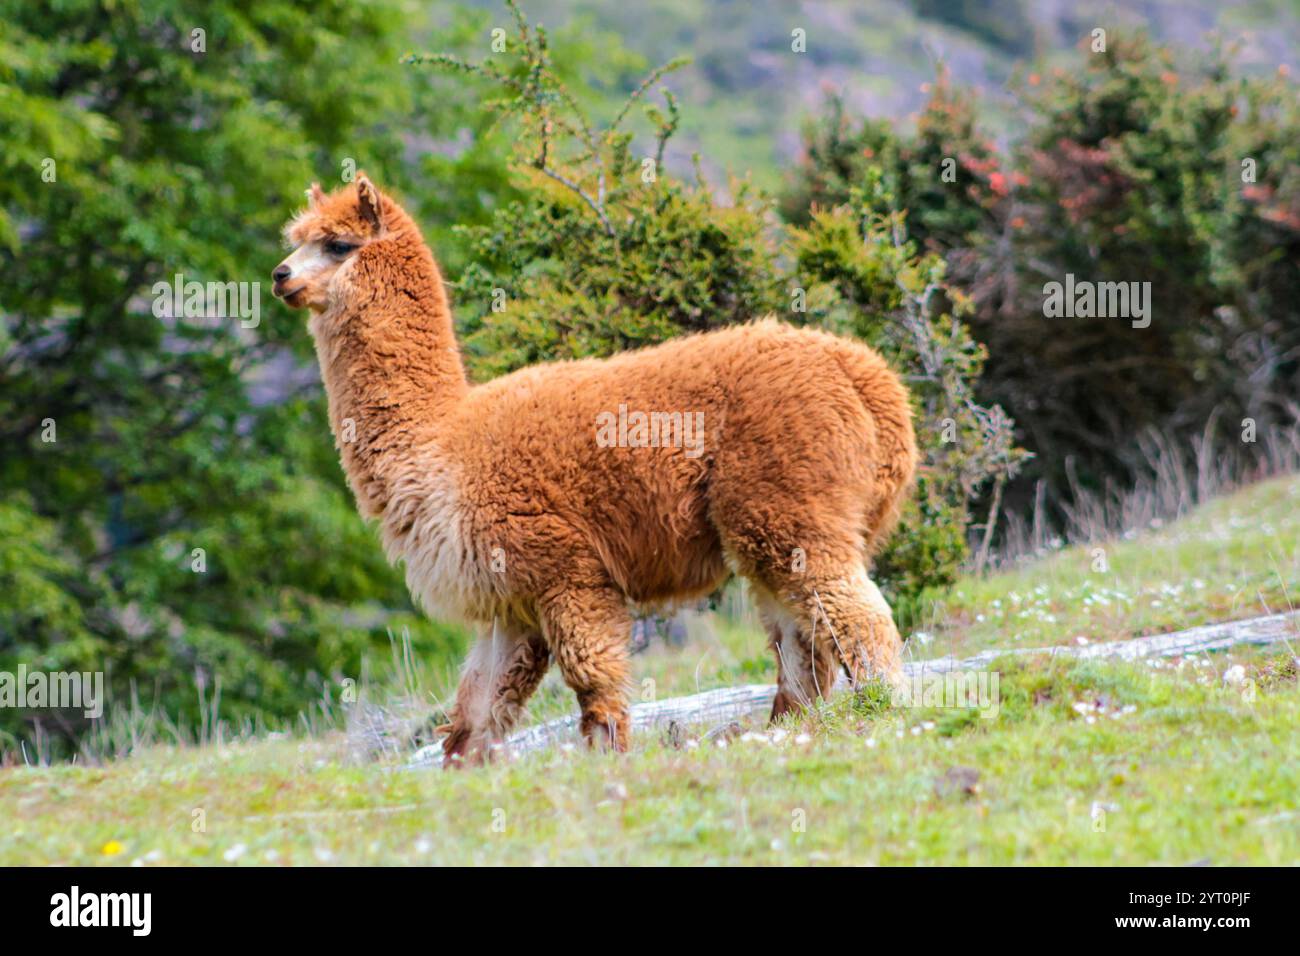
503,669
805,665
588,631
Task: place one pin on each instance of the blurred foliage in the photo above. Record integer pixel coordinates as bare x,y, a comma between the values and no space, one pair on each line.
943,211
1131,170
602,250
1003,24
137,149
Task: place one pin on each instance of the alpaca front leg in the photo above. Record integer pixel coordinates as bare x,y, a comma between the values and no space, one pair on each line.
588,632
501,673
850,610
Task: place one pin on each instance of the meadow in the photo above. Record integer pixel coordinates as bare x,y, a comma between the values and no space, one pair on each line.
1095,762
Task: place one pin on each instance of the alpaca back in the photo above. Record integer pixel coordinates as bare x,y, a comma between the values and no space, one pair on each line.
570,452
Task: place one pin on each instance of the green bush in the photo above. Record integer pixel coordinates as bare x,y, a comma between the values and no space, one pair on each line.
566,288
1132,172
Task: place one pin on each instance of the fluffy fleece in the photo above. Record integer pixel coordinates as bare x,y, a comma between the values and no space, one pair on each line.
523,506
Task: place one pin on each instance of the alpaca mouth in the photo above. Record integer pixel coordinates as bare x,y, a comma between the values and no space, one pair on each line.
289,296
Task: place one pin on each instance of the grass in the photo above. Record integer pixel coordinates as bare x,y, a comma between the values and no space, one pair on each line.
1235,557
1084,763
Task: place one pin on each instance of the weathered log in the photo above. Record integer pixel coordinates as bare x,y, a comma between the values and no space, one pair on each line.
1271,629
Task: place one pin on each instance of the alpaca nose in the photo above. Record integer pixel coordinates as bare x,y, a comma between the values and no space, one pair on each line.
281,272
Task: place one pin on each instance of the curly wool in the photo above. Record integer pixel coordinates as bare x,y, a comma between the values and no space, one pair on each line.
539,505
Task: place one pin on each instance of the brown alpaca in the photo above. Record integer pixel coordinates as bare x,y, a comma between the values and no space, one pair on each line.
540,505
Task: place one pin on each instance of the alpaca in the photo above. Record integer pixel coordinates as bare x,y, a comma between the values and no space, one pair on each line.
542,506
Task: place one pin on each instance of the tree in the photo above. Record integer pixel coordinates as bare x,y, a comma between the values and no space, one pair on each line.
1132,169
170,502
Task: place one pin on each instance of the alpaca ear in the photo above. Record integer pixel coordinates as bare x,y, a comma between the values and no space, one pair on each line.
315,194
368,202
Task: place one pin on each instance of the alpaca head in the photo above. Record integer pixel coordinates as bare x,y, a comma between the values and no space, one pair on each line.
325,236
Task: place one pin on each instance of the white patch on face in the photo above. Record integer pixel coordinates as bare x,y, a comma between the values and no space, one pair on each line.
307,260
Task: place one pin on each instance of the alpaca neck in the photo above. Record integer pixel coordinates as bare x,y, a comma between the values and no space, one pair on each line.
391,367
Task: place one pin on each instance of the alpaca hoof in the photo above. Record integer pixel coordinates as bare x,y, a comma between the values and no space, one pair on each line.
782,704
455,748
606,734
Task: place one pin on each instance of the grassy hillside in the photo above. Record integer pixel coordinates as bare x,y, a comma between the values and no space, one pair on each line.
1162,768
1083,763
1238,556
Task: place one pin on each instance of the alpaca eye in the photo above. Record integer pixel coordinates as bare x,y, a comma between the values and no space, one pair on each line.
336,248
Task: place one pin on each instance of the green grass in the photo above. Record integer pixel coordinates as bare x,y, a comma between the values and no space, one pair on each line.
1236,557
1180,766
1184,769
